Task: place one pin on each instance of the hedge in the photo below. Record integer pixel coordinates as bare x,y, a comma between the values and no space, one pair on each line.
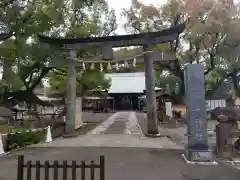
18,138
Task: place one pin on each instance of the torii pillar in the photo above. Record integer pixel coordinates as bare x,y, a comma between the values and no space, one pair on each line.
71,95
152,125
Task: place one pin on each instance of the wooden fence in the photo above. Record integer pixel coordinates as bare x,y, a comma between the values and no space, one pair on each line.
56,166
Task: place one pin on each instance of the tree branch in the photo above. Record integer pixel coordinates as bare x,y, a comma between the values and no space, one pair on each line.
29,14
220,81
38,80
27,71
208,70
6,3
5,36
212,52
217,84
61,72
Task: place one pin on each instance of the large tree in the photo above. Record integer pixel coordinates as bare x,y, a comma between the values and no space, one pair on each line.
25,60
228,62
24,20
23,67
95,20
210,21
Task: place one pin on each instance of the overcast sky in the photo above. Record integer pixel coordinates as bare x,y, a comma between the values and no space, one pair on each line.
118,5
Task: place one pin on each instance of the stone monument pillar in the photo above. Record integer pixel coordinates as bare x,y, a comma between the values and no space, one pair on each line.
197,149
150,92
71,95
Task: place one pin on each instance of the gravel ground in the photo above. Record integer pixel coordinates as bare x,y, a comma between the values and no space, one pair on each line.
92,120
178,133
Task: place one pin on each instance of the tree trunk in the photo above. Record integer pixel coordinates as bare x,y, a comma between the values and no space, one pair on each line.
6,70
181,95
234,80
181,91
44,72
235,84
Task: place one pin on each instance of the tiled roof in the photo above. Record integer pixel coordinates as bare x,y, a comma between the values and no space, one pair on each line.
127,82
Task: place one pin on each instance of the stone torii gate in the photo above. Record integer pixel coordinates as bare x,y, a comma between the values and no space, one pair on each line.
146,40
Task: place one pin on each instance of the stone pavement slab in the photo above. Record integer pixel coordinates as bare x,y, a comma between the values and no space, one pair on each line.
117,127
103,126
125,164
119,123
113,140
92,117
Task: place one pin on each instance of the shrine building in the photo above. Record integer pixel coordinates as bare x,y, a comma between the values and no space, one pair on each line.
127,92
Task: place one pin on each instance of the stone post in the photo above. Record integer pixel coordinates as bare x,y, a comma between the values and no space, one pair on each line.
150,92
71,96
197,149
168,106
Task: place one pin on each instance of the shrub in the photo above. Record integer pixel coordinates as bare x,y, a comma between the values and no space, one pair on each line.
23,138
177,114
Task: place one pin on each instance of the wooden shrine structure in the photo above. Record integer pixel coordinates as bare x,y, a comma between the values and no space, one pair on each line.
146,40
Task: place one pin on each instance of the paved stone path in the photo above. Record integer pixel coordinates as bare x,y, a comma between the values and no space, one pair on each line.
119,123
122,129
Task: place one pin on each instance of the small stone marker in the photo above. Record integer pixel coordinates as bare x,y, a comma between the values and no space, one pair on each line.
168,106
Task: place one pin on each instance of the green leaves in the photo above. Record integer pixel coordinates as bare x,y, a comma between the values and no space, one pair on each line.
211,22
86,81
29,58
58,82
80,31
168,82
86,21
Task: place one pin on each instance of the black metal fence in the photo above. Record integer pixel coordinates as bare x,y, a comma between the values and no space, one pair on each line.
55,166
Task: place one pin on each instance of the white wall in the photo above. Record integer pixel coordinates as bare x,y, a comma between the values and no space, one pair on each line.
212,104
